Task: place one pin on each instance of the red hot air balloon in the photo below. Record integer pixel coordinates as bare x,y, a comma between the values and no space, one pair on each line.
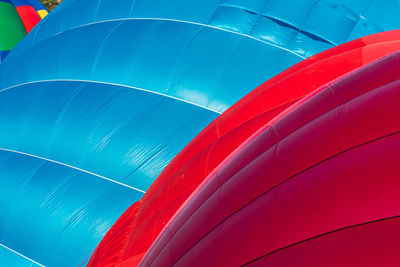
216,146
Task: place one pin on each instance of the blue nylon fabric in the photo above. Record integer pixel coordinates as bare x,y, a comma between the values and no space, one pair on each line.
126,87
118,132
304,26
37,5
34,3
188,61
10,258
3,54
18,3
121,133
46,207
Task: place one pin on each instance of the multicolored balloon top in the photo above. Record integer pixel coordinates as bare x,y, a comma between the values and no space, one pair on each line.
17,18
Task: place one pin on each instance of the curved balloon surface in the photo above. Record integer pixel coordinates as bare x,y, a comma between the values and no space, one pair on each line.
17,18
240,53
118,107
225,134
307,27
126,88
320,178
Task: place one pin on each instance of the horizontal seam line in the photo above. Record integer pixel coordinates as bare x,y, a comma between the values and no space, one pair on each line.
19,254
73,167
324,234
174,20
114,84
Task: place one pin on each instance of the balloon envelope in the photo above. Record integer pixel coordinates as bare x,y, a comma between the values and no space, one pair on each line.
225,135
128,85
319,179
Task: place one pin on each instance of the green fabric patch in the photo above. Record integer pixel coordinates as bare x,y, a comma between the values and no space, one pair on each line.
11,27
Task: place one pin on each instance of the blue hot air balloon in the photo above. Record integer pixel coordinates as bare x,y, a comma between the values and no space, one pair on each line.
85,131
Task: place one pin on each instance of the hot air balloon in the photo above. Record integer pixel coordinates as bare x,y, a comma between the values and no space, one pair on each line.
227,135
17,18
316,186
85,132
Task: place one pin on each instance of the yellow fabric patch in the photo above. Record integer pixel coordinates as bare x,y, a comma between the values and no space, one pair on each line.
42,13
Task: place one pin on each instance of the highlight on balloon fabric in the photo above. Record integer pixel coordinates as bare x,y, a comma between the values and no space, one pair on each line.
199,133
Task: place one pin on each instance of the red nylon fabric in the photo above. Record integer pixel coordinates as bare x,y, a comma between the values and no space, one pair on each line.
206,152
29,17
375,244
328,164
